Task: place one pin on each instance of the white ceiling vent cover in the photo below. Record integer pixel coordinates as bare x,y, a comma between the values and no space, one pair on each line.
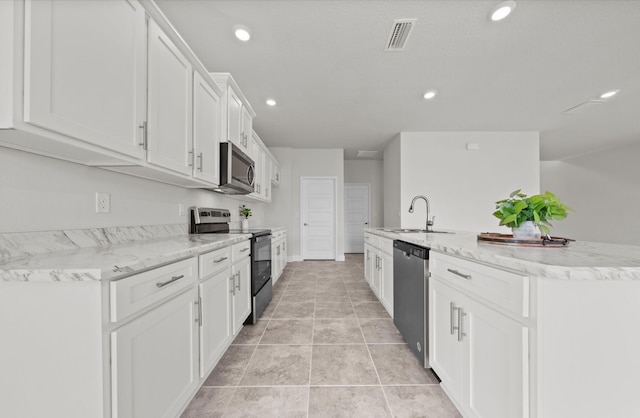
366,154
400,32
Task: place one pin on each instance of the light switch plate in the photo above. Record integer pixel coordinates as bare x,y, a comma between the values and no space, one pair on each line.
103,202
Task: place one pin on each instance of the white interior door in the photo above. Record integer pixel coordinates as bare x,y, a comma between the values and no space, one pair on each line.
318,218
356,205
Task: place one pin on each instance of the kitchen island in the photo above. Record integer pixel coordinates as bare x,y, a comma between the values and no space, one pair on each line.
533,332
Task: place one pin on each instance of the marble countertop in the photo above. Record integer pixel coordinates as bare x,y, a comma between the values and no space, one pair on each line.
113,261
580,260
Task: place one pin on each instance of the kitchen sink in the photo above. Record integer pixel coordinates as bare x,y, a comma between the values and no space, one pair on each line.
415,231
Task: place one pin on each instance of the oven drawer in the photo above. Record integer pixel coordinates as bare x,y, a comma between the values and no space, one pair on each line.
240,251
134,293
214,261
503,288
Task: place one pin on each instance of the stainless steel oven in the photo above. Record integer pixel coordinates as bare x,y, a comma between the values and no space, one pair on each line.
216,221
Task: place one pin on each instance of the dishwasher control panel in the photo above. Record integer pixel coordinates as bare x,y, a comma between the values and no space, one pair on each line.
412,249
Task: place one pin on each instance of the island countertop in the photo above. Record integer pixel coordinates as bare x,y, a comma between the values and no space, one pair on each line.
579,260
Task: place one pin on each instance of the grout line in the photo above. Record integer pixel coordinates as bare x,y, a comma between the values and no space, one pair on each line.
313,329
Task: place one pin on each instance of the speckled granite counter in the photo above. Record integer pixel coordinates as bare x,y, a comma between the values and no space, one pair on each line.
580,260
100,254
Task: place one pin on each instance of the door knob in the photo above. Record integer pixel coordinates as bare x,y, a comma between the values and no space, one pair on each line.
366,223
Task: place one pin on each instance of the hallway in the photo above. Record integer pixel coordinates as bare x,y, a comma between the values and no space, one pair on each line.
325,347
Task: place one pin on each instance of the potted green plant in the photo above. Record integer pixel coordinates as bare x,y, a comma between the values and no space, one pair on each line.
526,216
245,214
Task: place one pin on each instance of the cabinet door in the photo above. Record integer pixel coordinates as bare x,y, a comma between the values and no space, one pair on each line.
494,362
444,348
368,265
215,327
376,277
247,127
154,360
234,118
242,298
85,71
169,140
386,285
206,131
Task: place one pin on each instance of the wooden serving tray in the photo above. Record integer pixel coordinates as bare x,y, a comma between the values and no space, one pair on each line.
507,239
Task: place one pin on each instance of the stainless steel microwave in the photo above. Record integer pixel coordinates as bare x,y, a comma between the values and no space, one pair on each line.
236,170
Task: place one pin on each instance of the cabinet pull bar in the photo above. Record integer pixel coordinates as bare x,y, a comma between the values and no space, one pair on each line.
239,285
143,144
173,279
244,249
199,302
461,315
233,285
457,273
220,260
190,159
452,311
200,166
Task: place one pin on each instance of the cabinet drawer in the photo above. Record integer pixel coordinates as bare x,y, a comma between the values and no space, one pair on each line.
214,261
134,293
372,240
240,250
503,288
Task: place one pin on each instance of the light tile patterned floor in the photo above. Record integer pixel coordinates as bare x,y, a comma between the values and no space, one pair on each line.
325,347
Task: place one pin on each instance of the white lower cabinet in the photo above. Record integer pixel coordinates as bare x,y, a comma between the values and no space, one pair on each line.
215,323
241,293
154,360
378,268
480,354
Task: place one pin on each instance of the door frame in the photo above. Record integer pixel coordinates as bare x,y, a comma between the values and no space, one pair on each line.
334,180
345,210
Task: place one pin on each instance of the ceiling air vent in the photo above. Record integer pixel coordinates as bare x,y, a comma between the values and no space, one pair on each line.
400,32
582,106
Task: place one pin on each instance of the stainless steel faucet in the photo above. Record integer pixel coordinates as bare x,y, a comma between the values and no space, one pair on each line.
429,223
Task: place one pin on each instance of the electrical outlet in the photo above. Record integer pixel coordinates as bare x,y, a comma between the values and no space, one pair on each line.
181,210
103,202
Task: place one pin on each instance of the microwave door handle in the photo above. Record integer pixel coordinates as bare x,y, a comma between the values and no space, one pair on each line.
250,175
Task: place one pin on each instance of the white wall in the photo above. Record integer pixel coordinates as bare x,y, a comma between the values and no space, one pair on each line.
604,190
296,163
463,186
368,171
39,193
392,181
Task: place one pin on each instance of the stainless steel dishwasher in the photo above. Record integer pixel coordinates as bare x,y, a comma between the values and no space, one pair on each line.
410,297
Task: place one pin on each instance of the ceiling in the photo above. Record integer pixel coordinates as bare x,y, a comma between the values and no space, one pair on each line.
335,86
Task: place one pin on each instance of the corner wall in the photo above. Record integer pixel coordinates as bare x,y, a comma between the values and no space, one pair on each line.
392,183
463,185
604,190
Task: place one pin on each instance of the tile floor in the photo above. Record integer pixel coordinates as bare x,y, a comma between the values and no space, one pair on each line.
325,347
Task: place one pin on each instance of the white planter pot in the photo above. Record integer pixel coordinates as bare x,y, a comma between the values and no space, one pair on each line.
527,230
245,225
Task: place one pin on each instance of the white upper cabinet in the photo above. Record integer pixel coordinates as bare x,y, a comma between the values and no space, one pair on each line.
85,71
206,130
275,173
170,104
237,113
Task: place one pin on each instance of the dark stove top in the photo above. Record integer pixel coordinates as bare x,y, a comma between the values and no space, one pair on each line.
253,231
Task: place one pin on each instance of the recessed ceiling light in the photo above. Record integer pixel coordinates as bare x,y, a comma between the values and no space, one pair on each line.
430,94
502,10
271,102
242,33
609,94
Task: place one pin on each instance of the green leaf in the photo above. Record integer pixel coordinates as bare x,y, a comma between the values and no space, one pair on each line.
514,193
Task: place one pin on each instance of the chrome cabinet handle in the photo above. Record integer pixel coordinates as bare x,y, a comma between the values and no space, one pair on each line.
200,166
191,158
238,286
220,260
143,144
457,273
199,303
173,279
233,285
368,258
452,312
244,249
461,315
